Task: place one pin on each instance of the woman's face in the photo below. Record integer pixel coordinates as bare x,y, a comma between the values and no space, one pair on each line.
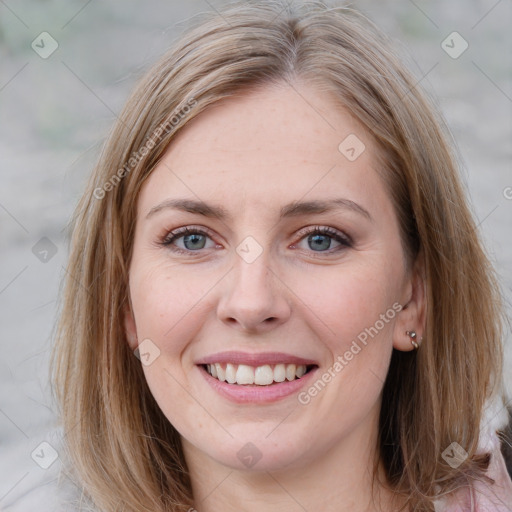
291,261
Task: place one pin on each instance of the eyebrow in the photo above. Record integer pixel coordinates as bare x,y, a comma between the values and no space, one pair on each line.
293,209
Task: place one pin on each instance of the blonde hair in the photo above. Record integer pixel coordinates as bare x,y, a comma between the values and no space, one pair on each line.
126,453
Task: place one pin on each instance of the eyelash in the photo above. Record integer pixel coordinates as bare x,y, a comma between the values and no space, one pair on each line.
171,237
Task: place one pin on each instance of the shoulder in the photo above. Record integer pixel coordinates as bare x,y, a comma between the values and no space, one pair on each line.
486,497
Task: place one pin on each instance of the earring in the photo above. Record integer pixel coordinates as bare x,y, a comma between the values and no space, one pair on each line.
412,335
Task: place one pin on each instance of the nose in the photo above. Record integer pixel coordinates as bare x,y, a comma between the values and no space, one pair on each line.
254,299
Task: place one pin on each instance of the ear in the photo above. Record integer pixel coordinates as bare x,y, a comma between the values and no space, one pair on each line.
413,314
130,327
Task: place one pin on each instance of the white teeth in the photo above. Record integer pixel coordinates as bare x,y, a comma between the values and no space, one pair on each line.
279,372
290,372
231,373
221,373
244,374
264,375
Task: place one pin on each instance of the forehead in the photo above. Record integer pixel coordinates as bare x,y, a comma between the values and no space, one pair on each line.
267,147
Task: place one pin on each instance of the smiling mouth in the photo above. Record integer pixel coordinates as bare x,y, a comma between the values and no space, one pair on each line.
265,375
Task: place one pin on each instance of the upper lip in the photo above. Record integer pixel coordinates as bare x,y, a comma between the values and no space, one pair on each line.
260,359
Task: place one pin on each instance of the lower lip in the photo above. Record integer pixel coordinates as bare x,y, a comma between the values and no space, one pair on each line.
254,393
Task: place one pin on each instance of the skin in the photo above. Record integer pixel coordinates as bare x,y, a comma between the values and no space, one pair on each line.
253,154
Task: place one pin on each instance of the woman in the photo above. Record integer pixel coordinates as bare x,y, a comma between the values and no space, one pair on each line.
276,297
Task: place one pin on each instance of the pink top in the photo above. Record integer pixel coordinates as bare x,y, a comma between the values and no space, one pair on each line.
484,497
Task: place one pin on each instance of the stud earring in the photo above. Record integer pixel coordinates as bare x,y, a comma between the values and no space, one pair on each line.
412,335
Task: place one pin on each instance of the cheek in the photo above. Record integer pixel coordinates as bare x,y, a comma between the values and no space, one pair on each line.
176,401
346,301
167,301
170,306
350,310
353,316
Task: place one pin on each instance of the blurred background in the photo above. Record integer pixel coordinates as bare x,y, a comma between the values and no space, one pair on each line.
66,68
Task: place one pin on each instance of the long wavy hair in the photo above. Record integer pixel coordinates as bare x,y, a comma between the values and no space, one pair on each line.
126,454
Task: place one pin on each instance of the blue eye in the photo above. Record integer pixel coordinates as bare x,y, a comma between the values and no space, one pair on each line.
320,239
195,239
